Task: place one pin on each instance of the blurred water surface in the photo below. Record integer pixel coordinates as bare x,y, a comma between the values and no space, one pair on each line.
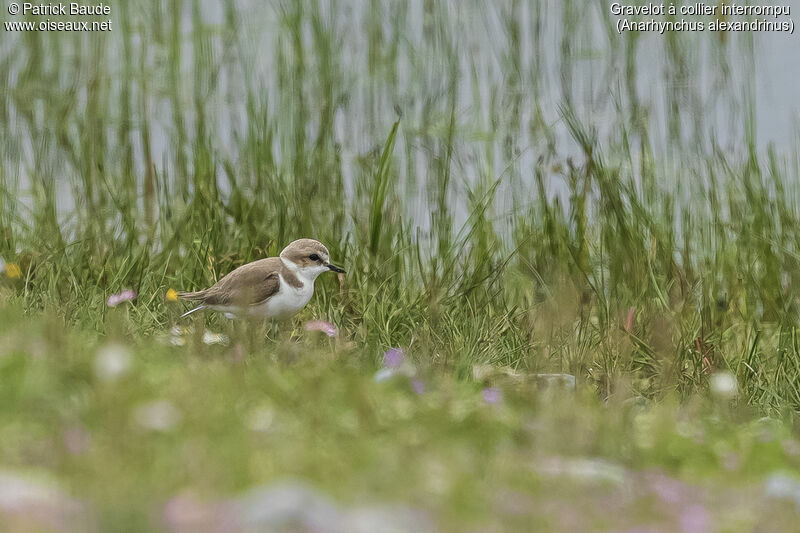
244,92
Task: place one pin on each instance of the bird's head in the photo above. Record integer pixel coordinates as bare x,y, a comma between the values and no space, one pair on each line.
308,258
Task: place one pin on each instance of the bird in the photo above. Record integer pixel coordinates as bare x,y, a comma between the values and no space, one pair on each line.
274,287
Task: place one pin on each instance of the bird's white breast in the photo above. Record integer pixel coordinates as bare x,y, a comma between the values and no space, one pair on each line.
287,301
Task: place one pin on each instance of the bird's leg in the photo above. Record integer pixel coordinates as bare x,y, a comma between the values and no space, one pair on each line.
254,336
198,327
241,336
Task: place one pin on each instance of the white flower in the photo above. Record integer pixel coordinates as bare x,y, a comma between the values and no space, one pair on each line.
782,486
260,419
159,415
209,337
112,362
384,374
566,381
177,341
723,385
176,336
32,503
583,469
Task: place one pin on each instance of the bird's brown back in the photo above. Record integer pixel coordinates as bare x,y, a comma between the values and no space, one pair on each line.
249,284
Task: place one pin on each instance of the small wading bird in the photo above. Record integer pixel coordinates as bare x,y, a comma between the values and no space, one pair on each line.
272,287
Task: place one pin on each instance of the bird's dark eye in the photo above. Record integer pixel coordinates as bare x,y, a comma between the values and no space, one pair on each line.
314,257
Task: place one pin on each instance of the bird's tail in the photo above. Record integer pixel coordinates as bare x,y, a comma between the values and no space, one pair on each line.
199,295
198,308
195,296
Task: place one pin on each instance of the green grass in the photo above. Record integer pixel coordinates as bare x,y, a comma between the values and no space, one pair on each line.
492,226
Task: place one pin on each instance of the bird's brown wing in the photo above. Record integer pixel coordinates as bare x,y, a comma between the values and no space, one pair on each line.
250,284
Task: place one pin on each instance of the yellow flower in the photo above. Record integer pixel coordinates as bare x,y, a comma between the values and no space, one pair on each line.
172,295
13,271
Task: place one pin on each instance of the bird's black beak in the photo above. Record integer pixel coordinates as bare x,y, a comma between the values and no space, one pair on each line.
336,269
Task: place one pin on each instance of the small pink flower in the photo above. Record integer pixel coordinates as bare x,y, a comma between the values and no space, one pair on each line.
187,512
325,327
629,322
393,358
125,296
669,490
492,395
77,440
694,518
